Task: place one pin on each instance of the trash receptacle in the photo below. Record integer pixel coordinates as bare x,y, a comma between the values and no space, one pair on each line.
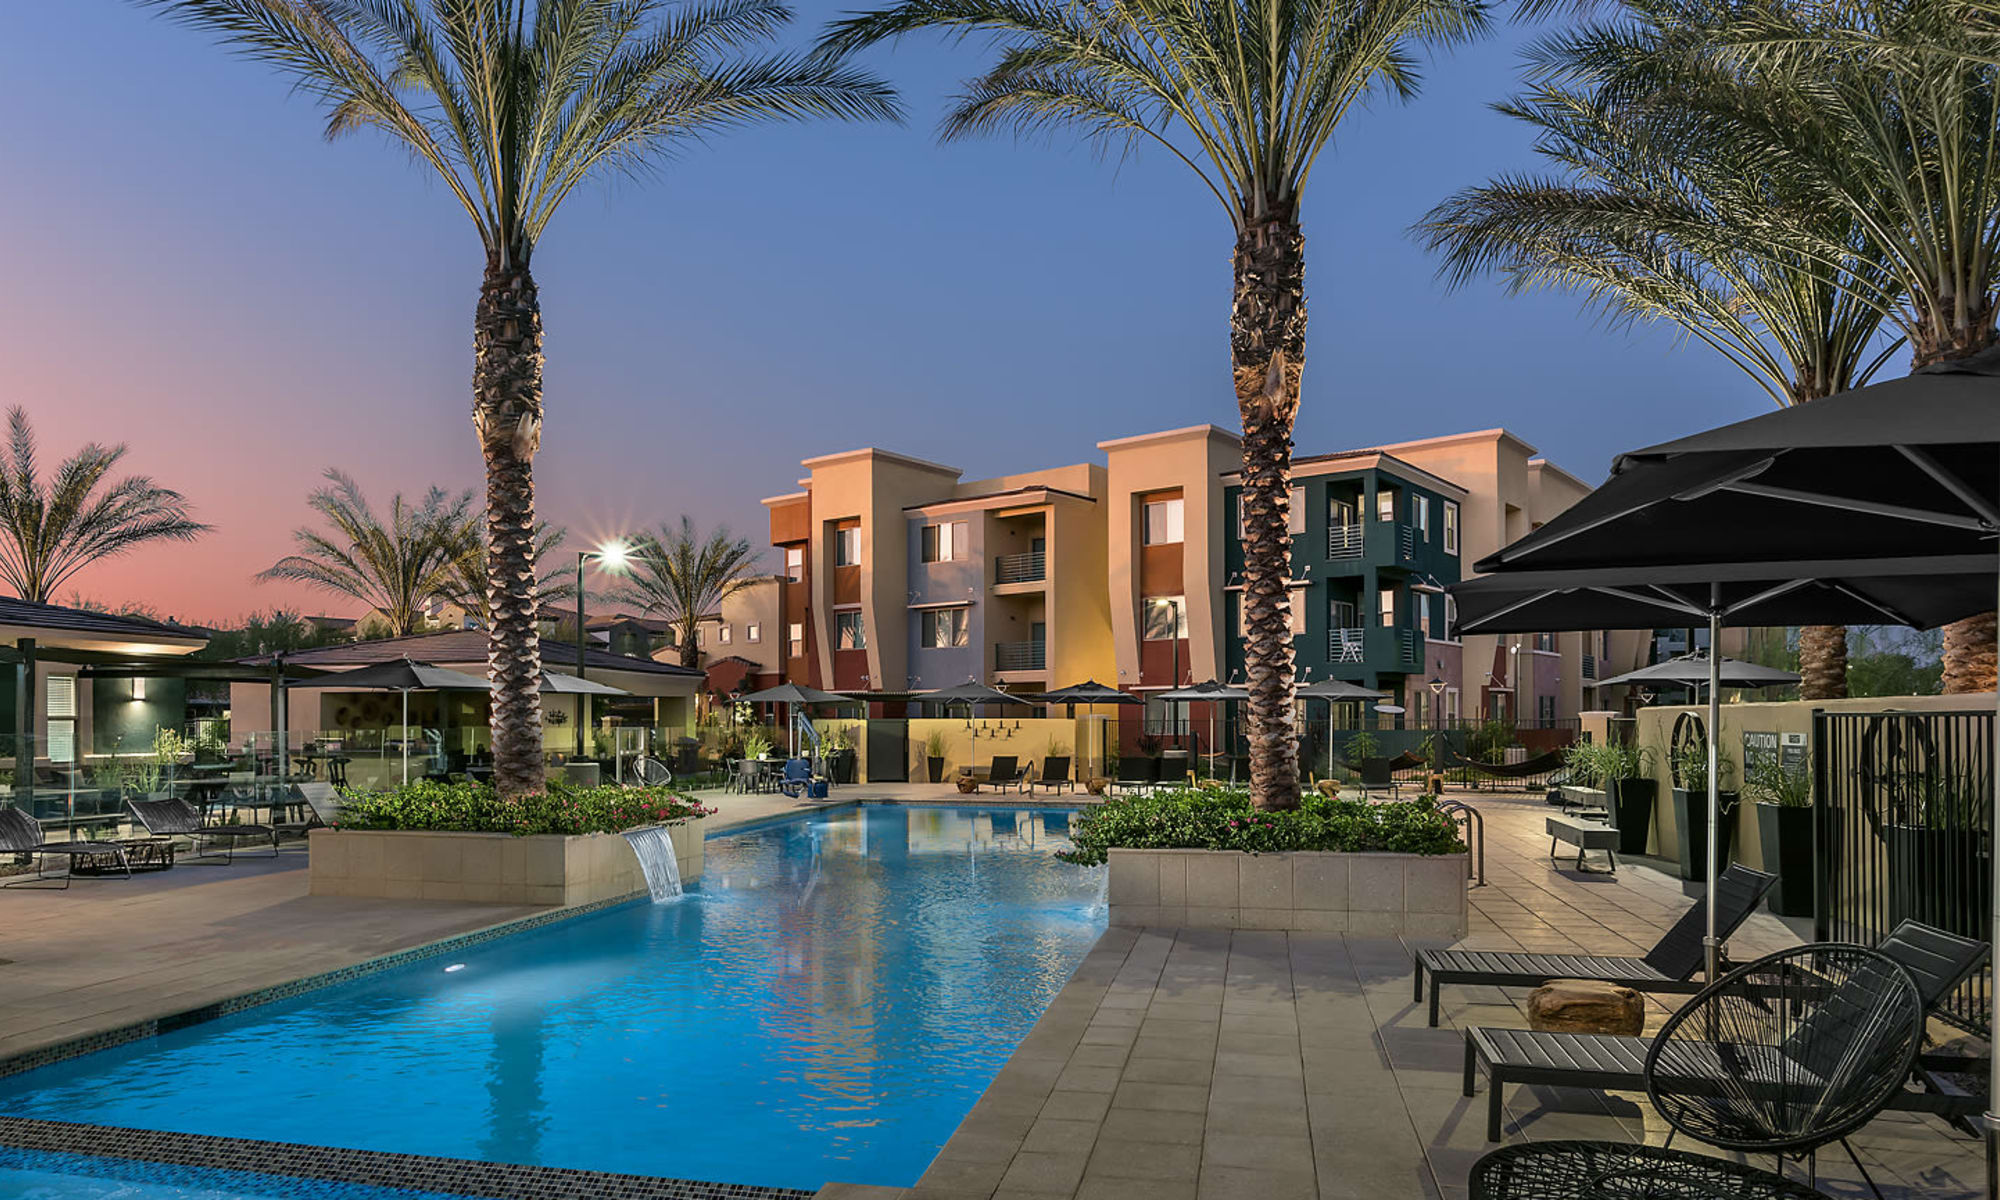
581,774
687,756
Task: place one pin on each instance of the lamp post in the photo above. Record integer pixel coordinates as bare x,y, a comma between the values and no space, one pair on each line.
1436,686
613,555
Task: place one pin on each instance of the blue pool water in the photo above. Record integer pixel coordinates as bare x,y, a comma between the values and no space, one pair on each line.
35,1175
826,1004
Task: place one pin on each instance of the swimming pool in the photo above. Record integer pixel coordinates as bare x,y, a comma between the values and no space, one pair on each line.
826,1004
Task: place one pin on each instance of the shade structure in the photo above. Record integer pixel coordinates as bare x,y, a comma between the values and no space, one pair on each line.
403,675
556,683
1336,689
1214,692
1089,692
1886,482
791,695
1689,670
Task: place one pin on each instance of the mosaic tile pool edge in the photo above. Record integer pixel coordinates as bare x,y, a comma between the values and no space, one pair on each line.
371,1168
105,1039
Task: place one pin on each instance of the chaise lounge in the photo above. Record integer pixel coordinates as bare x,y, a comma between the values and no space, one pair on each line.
1006,772
22,834
1054,774
1668,967
168,816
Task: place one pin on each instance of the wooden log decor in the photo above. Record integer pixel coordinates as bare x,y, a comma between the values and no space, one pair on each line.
1586,1006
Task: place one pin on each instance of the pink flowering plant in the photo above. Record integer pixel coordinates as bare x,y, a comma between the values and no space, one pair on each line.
1203,819
561,809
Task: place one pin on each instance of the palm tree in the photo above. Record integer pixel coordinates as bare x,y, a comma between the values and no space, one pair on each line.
53,527
514,103
1245,93
1901,135
395,566
683,576
470,583
1686,239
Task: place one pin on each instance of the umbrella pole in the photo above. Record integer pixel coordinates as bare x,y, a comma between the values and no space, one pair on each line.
1993,991
1711,949
406,737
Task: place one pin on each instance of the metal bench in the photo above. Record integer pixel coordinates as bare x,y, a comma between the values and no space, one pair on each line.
1584,834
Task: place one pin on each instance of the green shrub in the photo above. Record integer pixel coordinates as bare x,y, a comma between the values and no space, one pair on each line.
1213,819
477,808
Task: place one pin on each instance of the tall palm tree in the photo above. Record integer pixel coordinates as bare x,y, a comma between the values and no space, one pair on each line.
683,576
1683,238
1245,93
1902,136
395,566
514,103
470,583
52,527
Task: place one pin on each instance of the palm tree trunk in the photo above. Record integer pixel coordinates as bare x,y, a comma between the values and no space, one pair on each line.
1823,662
1267,356
1969,649
507,412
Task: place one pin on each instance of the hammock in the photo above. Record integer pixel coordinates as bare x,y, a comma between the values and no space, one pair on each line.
1406,761
1540,764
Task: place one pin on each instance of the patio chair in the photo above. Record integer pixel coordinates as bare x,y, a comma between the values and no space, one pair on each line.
164,816
798,776
22,834
1136,774
1006,772
322,803
1937,961
1668,967
653,772
1054,774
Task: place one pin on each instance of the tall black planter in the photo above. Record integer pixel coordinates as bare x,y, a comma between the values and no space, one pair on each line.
1939,877
1691,830
936,766
1632,803
1787,836
840,766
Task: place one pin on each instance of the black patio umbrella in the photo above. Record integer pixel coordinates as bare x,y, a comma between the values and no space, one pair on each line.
403,675
1692,670
791,695
1882,500
969,693
1092,693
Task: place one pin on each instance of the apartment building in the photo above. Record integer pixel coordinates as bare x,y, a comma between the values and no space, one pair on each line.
901,577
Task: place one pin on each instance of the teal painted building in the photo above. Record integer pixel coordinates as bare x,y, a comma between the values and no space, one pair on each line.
1374,542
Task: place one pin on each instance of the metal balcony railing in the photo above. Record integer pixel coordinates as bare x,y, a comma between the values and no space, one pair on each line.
1020,568
1406,542
1020,656
1409,647
1346,645
1343,541
1590,666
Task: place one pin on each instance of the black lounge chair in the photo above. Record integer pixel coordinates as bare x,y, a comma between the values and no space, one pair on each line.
322,803
1136,774
22,834
1668,967
1006,774
1937,961
1054,774
170,817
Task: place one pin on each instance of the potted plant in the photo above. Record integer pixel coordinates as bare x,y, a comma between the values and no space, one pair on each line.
1783,795
1629,791
756,745
1931,824
1690,769
934,748
836,745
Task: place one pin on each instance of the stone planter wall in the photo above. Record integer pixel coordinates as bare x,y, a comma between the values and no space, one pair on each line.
494,868
1369,894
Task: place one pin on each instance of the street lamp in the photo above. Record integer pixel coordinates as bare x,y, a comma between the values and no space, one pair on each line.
614,555
1436,686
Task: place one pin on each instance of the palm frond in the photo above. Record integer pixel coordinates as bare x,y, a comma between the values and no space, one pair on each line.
394,565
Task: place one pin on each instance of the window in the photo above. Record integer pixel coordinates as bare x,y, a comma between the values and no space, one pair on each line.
1450,527
1342,614
1165,616
1386,600
1545,641
946,542
753,633
1420,509
847,546
1422,604
1545,708
946,627
723,633
1297,523
1385,505
795,563
847,631
61,705
795,634
1163,522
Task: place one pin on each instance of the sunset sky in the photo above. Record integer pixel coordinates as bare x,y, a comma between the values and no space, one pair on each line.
193,270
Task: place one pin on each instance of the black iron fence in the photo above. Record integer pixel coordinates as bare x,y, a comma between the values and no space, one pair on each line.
1904,831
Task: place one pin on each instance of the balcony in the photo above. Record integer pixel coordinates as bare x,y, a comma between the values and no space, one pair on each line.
1343,541
1590,666
1020,656
1347,645
1020,568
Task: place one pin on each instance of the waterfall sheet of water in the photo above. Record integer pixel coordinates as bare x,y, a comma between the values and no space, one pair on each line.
655,851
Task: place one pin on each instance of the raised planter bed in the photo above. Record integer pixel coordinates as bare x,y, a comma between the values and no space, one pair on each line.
1369,894
494,868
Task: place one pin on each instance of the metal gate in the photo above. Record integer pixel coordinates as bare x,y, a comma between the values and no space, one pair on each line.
888,750
1904,831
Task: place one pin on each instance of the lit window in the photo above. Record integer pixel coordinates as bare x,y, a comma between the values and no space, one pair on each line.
847,632
847,546
945,627
946,542
1385,505
753,632
1420,511
796,635
1423,607
795,563
1163,522
723,634
1387,599
1450,527
1166,617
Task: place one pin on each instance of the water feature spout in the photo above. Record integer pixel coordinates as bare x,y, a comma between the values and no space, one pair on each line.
654,848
